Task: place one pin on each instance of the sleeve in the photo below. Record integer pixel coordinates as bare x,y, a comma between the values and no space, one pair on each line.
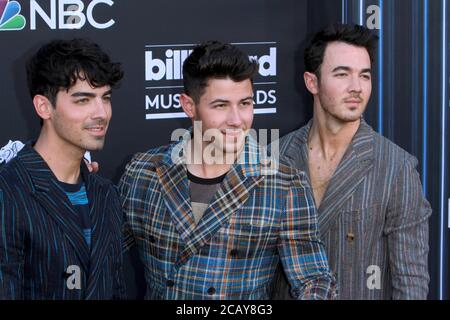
119,288
302,253
125,185
407,231
11,251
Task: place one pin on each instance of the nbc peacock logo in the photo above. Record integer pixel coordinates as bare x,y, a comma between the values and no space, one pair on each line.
10,17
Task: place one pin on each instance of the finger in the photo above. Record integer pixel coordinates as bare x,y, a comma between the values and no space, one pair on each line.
95,167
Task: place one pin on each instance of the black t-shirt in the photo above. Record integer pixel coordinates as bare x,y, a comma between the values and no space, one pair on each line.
202,192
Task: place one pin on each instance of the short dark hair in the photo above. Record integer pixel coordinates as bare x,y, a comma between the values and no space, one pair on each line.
350,34
60,63
215,60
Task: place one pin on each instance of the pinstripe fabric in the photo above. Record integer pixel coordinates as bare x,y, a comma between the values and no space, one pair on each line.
41,236
233,251
373,213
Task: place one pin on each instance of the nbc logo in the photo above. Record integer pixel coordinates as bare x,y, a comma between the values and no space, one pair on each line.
10,19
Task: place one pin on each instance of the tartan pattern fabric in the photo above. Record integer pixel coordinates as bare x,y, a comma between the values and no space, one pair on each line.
252,222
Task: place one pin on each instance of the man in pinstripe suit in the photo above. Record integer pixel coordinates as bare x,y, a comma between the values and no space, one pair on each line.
60,225
216,227
373,217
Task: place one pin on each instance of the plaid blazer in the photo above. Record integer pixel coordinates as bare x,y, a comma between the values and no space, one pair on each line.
41,237
373,218
232,253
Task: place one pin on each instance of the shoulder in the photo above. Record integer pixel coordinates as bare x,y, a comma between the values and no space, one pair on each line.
143,165
12,174
292,140
287,176
292,136
390,154
149,159
14,185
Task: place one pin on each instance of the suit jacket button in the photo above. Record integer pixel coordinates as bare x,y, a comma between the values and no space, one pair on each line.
151,239
350,236
211,291
234,252
170,283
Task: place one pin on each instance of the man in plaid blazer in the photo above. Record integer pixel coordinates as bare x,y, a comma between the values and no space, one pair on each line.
210,218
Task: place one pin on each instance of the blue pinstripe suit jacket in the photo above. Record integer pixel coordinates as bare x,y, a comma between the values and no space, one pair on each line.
41,235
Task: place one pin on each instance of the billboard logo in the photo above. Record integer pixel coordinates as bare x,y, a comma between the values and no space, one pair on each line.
163,66
10,17
171,67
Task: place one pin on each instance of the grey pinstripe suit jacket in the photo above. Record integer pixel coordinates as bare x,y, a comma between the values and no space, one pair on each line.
372,214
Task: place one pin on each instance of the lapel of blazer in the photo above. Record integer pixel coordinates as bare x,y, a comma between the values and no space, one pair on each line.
175,188
234,191
296,149
99,198
52,198
351,171
231,196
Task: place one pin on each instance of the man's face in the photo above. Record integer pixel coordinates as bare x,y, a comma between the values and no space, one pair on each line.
226,106
345,83
81,116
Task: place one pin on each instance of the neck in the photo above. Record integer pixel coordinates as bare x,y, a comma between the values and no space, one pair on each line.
331,135
64,161
204,165
208,171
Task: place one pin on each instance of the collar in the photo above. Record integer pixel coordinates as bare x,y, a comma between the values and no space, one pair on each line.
40,172
248,161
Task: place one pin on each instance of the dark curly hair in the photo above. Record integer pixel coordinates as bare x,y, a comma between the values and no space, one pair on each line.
59,64
350,34
215,60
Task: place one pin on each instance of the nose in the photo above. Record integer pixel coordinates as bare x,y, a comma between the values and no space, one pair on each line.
355,84
234,117
102,109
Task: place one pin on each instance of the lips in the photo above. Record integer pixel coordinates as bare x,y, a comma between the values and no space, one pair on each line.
232,133
97,130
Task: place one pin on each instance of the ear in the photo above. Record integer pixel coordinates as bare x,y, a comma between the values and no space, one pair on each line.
42,106
188,105
311,82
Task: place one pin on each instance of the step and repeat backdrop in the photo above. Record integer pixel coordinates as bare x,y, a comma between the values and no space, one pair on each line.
152,38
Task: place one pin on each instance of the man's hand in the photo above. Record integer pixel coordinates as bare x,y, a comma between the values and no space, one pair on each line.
9,151
92,166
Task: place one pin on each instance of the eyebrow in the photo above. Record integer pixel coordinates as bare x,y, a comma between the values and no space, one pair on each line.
345,68
89,94
219,101
226,101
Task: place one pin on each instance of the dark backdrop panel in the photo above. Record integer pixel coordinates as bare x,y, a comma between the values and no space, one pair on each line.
410,89
410,101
